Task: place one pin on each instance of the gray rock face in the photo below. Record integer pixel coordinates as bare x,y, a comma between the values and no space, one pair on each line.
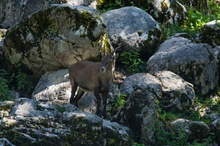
177,94
193,129
143,91
5,142
13,11
164,11
133,28
195,63
215,127
36,122
210,33
55,38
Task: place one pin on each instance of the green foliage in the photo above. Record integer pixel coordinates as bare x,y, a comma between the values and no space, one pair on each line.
23,82
171,137
106,5
116,103
175,136
17,81
137,144
196,19
4,86
61,108
132,62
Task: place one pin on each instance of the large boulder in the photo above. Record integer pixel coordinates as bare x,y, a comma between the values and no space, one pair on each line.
164,11
192,130
55,38
210,33
215,128
13,11
31,122
143,92
195,63
133,28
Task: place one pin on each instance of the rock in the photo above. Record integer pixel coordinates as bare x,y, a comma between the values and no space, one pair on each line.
5,108
216,51
91,3
13,11
140,114
53,87
55,38
171,90
195,63
177,94
198,130
210,33
193,130
96,130
215,127
34,123
143,91
5,142
133,28
141,81
164,11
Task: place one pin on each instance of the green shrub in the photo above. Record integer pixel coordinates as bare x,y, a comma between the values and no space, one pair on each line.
4,86
116,104
23,82
132,62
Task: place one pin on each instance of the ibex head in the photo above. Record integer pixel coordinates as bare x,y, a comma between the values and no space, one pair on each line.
108,61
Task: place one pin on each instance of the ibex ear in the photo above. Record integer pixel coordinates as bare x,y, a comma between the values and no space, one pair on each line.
114,54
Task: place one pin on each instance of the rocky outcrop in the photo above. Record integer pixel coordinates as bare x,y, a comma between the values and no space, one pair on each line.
210,33
133,28
55,38
215,127
195,63
193,129
164,11
13,11
143,90
36,123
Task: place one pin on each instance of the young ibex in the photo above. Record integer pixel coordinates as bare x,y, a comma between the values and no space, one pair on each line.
95,77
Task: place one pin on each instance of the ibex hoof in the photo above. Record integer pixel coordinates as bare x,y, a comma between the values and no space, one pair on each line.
72,101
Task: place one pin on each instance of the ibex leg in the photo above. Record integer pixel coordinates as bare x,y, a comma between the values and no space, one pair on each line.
104,98
73,91
98,102
79,94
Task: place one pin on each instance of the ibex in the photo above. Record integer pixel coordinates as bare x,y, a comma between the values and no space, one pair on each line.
93,77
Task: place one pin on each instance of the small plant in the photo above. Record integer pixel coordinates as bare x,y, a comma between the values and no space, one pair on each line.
61,108
4,86
116,103
23,82
132,61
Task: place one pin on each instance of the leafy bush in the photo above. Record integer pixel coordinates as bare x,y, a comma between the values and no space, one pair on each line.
132,62
4,86
116,103
23,82
196,19
17,81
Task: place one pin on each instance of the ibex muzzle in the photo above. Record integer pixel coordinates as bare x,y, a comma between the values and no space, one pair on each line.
95,77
